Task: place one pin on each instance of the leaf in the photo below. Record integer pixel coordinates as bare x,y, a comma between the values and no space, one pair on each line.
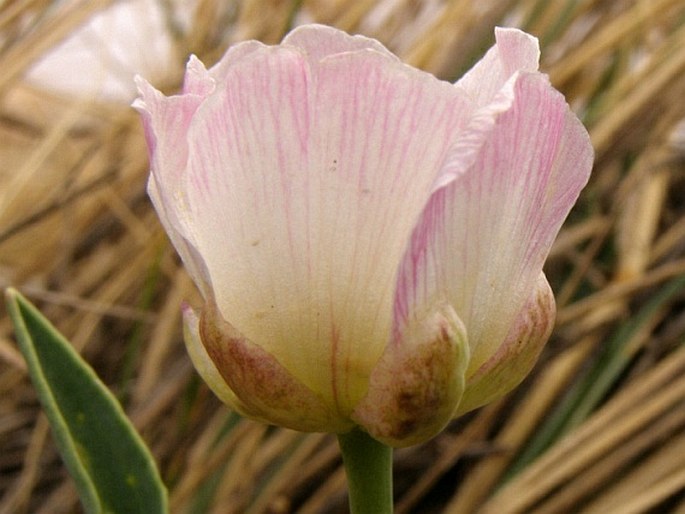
113,469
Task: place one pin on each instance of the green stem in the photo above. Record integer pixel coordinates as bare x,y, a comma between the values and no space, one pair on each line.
368,465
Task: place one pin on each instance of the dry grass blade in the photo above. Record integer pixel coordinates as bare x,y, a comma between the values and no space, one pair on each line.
482,479
78,236
646,478
610,430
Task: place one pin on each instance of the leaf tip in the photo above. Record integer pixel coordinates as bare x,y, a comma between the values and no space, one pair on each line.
11,294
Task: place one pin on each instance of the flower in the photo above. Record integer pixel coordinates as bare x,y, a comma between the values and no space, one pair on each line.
368,239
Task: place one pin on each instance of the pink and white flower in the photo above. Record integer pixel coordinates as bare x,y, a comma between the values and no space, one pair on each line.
368,239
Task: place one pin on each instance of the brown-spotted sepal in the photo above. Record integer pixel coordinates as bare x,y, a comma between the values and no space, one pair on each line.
516,356
418,382
266,391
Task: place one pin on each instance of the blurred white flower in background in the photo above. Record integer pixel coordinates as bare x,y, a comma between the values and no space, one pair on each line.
100,59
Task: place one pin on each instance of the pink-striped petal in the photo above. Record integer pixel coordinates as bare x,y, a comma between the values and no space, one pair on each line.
305,180
514,51
233,55
485,233
197,80
319,41
166,121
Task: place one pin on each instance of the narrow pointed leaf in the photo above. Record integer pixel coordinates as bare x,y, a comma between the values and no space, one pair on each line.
113,469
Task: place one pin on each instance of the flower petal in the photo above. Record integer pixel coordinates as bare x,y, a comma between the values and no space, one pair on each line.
483,237
197,80
305,184
174,223
319,41
166,121
516,356
514,51
233,55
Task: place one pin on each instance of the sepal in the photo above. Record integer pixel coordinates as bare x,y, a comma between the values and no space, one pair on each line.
418,382
517,355
263,388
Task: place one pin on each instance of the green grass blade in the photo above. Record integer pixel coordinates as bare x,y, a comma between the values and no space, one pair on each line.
113,469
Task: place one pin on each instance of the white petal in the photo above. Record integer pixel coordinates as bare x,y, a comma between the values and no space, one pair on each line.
319,41
234,55
197,79
484,236
166,122
514,51
304,185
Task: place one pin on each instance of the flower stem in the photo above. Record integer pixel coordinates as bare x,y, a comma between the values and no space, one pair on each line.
368,465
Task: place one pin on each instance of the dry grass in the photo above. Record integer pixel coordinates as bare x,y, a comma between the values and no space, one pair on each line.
598,428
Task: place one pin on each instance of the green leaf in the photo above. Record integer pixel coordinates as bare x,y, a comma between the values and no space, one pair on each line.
113,469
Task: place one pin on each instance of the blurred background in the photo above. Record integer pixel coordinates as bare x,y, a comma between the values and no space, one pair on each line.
598,427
